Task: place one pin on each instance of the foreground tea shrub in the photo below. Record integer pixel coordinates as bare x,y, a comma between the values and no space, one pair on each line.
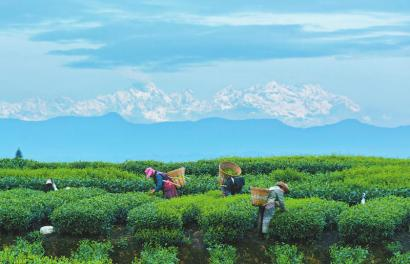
305,218
400,258
97,215
227,219
375,221
21,210
53,200
156,254
24,252
285,254
89,251
155,223
348,255
222,254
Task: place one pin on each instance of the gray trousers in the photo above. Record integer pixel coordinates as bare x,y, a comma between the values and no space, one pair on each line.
267,217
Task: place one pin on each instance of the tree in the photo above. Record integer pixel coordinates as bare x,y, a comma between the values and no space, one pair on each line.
19,154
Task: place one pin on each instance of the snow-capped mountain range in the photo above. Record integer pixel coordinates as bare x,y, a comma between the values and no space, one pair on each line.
303,106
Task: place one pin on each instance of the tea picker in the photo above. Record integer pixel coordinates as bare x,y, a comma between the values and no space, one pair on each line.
229,178
167,182
50,186
363,201
267,200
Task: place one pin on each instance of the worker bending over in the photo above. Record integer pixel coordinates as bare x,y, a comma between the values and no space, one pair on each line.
162,182
50,186
276,197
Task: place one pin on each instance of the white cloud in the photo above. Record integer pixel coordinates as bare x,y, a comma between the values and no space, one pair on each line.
301,107
315,22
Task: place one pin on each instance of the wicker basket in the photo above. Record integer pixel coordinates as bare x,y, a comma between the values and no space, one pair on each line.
178,177
228,165
259,196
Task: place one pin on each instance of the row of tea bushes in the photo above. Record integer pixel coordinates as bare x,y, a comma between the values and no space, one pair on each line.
114,185
221,219
375,221
24,209
229,219
305,218
311,164
32,164
88,252
96,215
69,173
347,186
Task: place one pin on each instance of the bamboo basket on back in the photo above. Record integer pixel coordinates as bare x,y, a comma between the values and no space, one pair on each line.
259,196
178,177
228,169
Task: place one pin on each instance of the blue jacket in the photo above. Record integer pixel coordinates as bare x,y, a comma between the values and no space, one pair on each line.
159,180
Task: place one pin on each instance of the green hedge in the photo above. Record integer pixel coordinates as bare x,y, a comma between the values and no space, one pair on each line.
375,221
305,218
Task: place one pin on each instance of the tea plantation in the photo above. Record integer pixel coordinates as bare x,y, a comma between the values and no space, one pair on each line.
108,216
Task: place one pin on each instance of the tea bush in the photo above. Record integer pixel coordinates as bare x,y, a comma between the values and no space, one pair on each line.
156,224
348,255
305,218
285,254
69,173
156,254
97,215
222,219
400,258
222,254
227,219
92,251
375,221
21,210
24,252
394,247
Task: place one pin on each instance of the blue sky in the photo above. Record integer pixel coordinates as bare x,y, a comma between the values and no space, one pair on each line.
81,50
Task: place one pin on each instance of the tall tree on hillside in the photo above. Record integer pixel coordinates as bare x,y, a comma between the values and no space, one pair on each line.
19,154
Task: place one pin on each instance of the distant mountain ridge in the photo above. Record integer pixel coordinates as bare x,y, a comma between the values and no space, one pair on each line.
111,138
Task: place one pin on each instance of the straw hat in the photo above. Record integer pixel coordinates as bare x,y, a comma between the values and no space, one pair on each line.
283,186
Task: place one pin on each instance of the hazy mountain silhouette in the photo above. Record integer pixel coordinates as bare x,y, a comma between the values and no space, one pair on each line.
111,138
